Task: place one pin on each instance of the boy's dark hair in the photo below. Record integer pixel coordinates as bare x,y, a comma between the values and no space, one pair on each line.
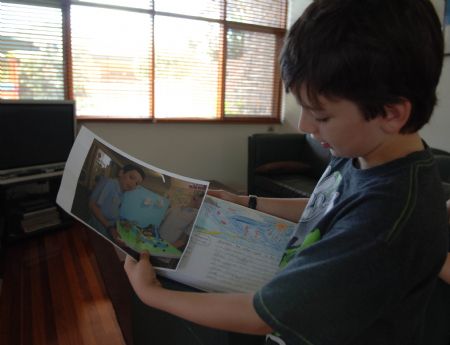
130,167
371,52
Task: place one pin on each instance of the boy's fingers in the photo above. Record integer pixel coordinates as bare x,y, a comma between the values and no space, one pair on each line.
129,259
129,262
144,255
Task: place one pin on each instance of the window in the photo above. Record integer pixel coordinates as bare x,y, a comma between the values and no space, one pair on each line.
31,51
211,60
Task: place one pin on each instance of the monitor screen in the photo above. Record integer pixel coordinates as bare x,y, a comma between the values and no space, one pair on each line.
35,133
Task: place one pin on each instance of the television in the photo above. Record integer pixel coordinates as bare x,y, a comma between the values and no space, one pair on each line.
35,136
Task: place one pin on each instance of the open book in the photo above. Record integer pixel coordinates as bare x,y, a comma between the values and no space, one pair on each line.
193,238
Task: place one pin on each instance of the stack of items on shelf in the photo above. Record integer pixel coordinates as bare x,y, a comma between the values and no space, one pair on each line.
39,214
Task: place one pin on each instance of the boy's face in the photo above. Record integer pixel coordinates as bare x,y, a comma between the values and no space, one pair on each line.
340,126
129,180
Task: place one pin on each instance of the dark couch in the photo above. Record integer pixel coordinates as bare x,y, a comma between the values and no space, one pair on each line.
289,165
284,165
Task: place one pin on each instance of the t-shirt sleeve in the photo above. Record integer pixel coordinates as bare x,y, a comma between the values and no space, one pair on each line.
330,290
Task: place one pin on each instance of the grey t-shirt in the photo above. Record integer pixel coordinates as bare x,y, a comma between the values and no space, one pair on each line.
366,255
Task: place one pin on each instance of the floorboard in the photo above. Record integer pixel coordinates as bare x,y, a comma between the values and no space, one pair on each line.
53,293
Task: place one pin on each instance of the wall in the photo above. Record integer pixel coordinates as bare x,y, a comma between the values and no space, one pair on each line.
219,152
437,131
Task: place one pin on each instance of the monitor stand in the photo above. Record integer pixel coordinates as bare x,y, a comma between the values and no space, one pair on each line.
30,175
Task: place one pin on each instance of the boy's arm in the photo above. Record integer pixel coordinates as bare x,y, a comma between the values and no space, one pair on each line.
444,274
286,208
226,311
97,212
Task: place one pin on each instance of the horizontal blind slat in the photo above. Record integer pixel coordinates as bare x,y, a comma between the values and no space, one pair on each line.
45,3
200,8
139,4
259,12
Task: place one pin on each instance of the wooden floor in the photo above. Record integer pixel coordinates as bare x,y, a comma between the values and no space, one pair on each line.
53,293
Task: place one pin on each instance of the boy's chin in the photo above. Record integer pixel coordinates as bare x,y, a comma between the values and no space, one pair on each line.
338,154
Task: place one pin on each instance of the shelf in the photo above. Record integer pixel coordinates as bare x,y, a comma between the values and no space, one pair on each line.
16,236
28,208
14,179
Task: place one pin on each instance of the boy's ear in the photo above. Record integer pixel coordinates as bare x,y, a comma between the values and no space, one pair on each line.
397,115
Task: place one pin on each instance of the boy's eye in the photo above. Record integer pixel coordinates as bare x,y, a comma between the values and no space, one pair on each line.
319,116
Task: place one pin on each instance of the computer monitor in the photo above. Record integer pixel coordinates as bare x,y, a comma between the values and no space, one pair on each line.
35,135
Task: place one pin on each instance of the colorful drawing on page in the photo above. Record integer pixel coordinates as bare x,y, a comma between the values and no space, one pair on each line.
231,222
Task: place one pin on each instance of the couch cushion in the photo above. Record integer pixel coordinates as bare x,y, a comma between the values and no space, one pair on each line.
284,185
295,186
283,167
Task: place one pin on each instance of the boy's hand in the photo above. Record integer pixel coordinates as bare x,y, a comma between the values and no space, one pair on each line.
141,274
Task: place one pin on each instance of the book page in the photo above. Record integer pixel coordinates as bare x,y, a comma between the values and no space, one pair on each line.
232,248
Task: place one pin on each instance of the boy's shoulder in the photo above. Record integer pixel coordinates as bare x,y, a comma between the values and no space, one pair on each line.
415,159
402,183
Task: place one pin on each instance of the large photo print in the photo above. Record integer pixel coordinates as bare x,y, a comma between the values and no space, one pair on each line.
135,207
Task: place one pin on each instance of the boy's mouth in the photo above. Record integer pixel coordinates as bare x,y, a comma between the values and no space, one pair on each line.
325,145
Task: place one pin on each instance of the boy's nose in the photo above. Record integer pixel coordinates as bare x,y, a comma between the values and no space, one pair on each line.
306,124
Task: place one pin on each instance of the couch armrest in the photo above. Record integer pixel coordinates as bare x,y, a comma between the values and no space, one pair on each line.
270,147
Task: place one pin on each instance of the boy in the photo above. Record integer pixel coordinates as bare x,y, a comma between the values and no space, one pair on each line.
107,195
365,74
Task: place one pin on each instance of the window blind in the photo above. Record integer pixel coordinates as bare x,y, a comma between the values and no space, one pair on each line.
141,59
111,62
31,50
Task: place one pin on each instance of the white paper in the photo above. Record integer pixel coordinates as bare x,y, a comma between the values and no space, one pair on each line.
90,157
231,248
